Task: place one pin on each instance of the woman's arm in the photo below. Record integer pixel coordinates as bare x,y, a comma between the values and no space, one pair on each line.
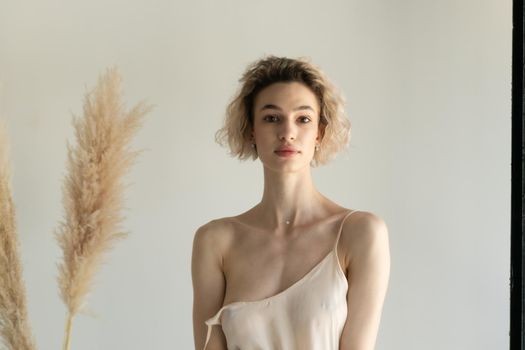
366,241
208,285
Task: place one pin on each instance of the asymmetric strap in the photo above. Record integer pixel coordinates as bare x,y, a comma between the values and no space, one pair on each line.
216,320
341,227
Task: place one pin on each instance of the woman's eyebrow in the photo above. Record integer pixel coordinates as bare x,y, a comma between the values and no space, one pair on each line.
300,108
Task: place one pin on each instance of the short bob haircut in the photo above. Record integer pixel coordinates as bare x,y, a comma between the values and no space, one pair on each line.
334,126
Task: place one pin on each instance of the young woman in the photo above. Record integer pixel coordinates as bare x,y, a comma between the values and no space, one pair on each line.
296,271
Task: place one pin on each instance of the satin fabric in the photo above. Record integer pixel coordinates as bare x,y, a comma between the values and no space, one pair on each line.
308,315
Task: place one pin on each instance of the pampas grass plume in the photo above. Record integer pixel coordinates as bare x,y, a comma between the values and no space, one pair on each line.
93,190
15,332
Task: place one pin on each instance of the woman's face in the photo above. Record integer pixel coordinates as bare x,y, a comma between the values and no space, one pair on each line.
286,114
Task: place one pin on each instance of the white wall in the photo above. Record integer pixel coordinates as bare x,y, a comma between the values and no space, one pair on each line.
428,85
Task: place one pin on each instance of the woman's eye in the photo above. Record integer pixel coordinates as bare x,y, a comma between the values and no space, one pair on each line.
306,119
270,117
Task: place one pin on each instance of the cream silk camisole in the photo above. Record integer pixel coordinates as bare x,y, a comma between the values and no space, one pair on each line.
308,315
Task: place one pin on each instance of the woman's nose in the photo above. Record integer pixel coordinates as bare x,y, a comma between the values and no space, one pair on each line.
287,130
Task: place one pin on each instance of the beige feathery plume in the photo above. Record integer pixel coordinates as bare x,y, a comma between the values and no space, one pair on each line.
15,332
92,189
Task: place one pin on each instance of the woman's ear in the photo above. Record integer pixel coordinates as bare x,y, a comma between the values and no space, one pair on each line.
320,133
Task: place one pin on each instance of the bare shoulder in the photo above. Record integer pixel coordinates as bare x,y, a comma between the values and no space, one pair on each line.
362,232
215,233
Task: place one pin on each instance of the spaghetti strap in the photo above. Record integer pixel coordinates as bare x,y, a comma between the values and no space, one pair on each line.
341,227
210,323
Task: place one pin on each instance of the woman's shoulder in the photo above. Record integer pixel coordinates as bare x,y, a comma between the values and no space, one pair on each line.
216,224
364,229
365,215
216,232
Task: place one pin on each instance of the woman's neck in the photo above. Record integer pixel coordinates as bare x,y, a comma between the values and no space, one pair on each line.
289,199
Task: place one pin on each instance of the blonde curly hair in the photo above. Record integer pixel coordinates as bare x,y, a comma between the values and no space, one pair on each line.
334,126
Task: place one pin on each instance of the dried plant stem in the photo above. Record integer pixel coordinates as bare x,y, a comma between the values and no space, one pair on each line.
67,339
92,189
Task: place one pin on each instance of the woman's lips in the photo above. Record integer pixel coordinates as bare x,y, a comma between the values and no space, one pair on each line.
286,153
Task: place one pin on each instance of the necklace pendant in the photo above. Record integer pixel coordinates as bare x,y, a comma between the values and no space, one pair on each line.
287,222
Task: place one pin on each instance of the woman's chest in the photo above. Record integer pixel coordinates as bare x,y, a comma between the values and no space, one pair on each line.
258,267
